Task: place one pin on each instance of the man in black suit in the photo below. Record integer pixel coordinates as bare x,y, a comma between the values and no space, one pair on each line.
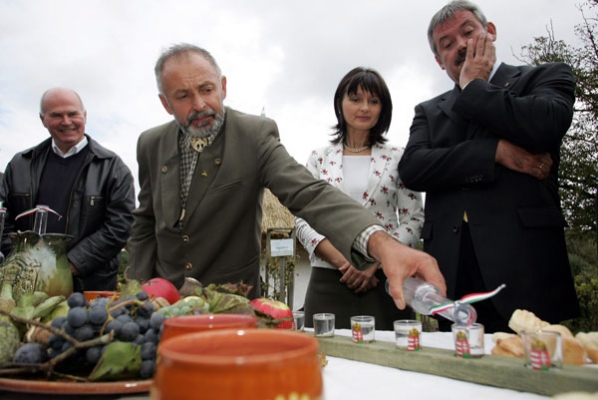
487,154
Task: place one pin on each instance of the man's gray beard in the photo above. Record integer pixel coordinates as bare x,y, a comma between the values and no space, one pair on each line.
203,131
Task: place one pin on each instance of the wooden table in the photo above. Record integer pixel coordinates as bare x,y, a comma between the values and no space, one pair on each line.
436,369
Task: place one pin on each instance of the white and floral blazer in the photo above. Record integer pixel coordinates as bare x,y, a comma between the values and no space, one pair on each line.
399,210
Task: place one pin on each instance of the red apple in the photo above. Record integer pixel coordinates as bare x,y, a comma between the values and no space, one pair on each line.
160,287
275,309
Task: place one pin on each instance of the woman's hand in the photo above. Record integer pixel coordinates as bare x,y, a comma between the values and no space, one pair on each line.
360,281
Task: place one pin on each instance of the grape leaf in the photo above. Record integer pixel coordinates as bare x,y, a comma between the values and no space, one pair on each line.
224,302
121,360
131,288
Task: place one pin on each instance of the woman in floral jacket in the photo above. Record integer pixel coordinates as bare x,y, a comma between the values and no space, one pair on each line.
364,166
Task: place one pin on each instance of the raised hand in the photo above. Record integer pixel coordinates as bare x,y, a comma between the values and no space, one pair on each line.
479,59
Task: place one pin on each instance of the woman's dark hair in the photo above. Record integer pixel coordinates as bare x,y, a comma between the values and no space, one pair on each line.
371,81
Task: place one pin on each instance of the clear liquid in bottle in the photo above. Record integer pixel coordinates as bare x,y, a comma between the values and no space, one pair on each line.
422,296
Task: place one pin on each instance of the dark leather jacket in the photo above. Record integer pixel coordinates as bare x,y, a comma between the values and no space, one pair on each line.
99,214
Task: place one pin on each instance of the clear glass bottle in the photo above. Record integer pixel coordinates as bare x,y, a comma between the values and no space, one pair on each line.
422,296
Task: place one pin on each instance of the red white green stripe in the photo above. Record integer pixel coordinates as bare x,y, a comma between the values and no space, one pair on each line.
34,210
468,299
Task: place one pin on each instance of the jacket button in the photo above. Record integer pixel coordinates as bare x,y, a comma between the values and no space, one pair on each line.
164,169
185,238
218,161
188,266
456,229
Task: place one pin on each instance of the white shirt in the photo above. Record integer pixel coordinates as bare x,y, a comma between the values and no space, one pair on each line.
356,170
72,151
494,68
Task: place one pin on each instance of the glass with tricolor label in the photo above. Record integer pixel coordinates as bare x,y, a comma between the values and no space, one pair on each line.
468,340
363,328
408,334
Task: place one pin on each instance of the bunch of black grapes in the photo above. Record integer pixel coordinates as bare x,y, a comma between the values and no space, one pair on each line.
131,319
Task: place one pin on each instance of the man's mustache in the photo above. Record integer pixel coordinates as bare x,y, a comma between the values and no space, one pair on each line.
202,114
460,57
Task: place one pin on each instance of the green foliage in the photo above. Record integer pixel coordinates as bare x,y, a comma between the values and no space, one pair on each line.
272,287
584,266
587,293
579,157
583,256
120,360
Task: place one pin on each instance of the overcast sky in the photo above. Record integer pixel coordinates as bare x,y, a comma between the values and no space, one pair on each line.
284,56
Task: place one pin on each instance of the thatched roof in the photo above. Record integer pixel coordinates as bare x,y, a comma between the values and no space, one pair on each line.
275,215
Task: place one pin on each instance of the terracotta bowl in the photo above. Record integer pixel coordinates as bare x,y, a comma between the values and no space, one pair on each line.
198,323
91,295
253,364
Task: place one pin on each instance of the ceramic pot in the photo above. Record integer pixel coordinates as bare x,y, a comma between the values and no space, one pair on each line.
254,364
91,295
176,326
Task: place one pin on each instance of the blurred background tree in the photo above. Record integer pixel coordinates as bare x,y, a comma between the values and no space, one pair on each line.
580,147
579,156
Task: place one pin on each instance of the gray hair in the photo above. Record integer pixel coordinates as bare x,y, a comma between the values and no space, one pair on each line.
448,12
179,50
41,101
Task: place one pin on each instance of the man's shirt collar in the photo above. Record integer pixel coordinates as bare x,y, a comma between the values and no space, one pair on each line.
72,151
494,69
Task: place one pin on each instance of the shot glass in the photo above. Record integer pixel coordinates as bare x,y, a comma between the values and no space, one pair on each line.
324,325
469,340
363,328
543,350
299,318
407,334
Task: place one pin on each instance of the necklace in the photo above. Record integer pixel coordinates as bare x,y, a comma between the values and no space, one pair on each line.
355,149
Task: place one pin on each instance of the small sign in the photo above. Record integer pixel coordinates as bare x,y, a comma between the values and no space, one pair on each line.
282,247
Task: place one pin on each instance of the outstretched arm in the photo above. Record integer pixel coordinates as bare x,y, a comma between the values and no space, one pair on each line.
400,262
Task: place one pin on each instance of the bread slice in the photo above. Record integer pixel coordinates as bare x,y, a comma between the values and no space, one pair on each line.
496,336
589,341
523,320
573,352
562,329
510,347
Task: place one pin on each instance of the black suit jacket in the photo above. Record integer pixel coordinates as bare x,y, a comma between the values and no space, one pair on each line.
515,219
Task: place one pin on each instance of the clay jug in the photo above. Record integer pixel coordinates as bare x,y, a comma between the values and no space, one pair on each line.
37,263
